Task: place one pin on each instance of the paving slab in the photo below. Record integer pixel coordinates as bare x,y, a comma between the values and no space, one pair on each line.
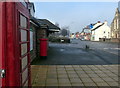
98,76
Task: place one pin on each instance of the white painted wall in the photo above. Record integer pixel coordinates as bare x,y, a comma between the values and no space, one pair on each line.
101,32
32,12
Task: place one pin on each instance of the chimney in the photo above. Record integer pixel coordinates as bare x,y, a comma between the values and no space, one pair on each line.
98,21
105,22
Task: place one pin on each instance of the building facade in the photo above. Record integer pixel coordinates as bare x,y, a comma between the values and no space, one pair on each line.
100,30
115,26
33,28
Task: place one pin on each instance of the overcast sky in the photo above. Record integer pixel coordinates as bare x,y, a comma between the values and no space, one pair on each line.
76,15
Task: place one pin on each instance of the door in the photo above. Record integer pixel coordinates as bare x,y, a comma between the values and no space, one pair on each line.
24,42
14,44
24,48
0,42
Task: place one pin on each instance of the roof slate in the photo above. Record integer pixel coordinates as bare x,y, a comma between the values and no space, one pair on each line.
98,26
44,23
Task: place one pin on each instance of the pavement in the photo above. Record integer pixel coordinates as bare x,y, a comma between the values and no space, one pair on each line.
73,76
72,65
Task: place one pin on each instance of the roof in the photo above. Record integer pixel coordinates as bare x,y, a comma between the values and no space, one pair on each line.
117,11
97,26
44,23
33,19
48,23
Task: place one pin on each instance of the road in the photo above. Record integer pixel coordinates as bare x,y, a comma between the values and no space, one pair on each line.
75,53
113,48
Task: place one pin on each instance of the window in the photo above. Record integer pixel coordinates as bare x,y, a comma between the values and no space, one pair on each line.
24,75
23,49
117,23
26,84
114,24
23,35
31,40
24,62
23,2
23,21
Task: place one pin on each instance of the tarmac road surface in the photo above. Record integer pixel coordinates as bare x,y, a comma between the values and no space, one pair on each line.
75,53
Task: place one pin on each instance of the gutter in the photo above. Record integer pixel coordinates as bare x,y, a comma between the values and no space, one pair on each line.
34,23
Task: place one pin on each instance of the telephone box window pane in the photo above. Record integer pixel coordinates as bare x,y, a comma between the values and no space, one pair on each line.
23,35
23,2
23,49
23,21
24,75
24,62
26,84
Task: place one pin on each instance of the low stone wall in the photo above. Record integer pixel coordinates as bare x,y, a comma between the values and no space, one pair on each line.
59,39
117,40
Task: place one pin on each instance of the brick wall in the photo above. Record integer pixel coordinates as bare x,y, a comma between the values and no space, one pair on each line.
37,34
41,33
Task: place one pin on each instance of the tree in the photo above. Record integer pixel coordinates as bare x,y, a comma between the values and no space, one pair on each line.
65,31
76,33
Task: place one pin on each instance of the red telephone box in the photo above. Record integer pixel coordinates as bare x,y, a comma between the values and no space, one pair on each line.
14,44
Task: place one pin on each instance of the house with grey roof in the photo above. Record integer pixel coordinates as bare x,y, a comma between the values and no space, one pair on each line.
100,30
39,28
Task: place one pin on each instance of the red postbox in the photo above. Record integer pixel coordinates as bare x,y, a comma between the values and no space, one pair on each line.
43,47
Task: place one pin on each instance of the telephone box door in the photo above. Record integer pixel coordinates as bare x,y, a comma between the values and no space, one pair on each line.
24,42
2,44
14,44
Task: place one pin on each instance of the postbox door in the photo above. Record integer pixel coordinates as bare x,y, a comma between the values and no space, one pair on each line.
24,43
